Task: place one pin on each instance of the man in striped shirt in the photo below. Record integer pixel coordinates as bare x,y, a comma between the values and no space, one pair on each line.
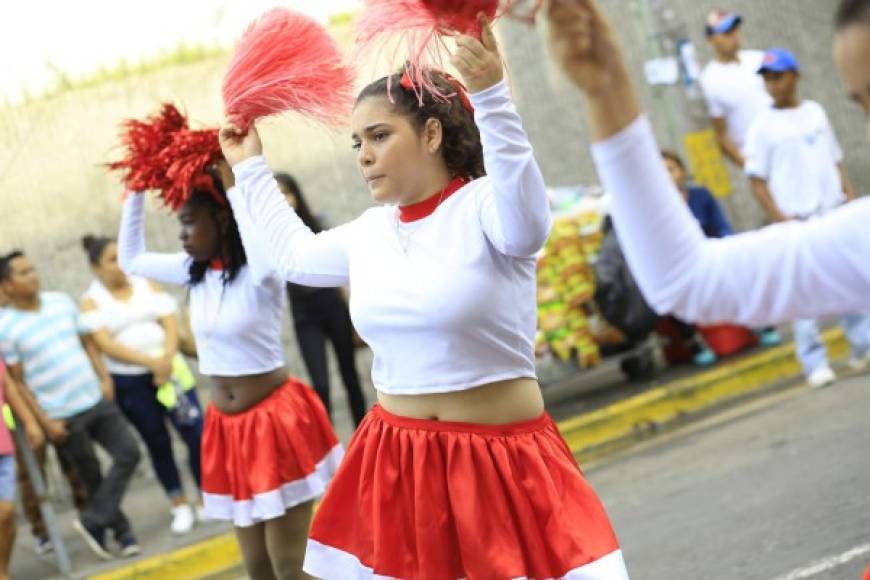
46,348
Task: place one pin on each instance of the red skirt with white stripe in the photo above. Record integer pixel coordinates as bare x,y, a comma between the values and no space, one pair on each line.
435,500
259,463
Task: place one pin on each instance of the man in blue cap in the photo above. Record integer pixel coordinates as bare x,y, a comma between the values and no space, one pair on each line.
734,93
794,163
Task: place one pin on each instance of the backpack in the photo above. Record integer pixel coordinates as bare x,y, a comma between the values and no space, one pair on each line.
616,293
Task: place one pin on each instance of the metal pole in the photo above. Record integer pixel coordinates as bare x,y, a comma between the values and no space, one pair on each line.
45,507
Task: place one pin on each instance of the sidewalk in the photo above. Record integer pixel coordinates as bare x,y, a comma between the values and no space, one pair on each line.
594,424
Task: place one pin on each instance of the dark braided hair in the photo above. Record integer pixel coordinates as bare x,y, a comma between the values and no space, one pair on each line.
851,12
230,251
461,146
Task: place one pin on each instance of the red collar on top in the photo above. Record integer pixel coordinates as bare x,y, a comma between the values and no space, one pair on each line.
216,264
425,208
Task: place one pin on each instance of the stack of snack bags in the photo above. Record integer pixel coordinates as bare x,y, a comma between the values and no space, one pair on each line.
568,321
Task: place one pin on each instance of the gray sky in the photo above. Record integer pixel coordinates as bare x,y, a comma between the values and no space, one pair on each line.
78,36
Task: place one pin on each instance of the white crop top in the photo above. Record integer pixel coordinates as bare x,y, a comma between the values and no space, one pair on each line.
237,327
786,271
450,303
135,323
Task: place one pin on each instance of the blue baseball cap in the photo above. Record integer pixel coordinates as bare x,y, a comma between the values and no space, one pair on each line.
721,21
778,60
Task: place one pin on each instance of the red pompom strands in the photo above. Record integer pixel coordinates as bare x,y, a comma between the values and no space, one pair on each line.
286,61
422,27
163,153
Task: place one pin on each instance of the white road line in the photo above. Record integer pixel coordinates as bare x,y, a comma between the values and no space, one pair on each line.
828,563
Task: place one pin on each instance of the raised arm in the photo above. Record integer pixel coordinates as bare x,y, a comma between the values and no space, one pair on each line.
133,257
791,270
298,254
514,211
260,260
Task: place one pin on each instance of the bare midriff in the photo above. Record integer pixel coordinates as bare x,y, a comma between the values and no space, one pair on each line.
495,403
237,394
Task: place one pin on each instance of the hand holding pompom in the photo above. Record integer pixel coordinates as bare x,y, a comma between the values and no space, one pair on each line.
238,144
479,61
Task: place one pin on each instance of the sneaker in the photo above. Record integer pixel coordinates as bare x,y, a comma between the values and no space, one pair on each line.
129,546
821,377
94,537
43,546
182,519
769,337
704,358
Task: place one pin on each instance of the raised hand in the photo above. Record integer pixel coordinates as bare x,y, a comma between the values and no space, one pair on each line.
238,145
479,62
585,46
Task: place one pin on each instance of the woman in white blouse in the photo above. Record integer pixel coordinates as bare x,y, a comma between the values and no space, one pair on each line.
457,472
136,328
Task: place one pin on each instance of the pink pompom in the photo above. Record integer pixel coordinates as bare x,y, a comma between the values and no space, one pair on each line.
422,27
286,61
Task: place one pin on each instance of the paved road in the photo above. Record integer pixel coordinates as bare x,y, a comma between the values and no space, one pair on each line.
776,490
760,492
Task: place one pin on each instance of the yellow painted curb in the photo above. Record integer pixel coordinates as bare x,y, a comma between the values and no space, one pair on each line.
589,435
599,432
196,561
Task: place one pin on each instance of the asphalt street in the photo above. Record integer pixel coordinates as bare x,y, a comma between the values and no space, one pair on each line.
775,490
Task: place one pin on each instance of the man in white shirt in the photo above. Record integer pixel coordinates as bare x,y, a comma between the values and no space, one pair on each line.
794,163
734,93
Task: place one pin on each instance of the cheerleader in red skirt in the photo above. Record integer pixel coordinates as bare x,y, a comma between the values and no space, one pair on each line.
457,472
268,449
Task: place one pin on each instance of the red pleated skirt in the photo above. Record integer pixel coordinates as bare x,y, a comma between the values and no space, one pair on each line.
259,463
417,499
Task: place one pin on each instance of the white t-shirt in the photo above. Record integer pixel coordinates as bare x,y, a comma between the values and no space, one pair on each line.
447,304
135,323
735,92
237,326
790,270
796,152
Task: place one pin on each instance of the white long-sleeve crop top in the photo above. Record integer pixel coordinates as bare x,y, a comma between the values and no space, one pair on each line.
237,327
449,304
781,272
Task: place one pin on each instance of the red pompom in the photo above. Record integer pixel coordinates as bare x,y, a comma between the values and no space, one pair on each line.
164,154
286,61
423,25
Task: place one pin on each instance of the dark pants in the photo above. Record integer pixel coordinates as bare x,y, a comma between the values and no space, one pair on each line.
29,500
327,316
103,424
136,396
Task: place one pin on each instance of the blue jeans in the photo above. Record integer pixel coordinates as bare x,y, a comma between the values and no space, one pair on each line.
136,395
811,351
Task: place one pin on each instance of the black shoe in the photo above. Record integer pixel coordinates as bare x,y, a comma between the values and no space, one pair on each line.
95,538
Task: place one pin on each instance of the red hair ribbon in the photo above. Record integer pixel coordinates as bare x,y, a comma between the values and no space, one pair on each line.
407,83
